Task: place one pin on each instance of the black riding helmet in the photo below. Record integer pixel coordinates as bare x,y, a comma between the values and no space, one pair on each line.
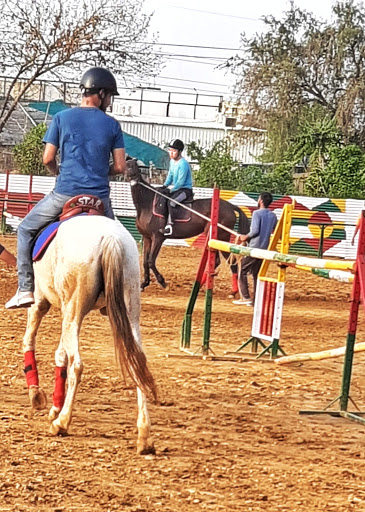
95,79
177,144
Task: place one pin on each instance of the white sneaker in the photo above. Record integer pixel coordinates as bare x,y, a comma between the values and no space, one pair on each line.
246,302
20,300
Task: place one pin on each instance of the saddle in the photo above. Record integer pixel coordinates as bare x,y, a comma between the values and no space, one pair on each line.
83,204
160,208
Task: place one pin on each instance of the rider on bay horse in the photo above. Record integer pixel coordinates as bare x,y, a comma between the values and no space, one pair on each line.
86,137
179,181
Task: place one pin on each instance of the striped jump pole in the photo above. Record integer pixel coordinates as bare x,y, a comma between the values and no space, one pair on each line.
263,254
357,296
269,293
187,322
205,274
210,270
335,275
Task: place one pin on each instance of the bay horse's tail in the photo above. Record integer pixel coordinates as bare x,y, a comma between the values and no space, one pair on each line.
128,352
243,224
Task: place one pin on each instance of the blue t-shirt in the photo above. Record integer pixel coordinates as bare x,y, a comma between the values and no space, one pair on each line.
179,175
262,225
85,136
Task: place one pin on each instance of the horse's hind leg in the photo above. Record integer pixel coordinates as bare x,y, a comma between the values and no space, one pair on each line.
37,396
157,242
225,236
60,382
70,342
146,268
234,273
144,444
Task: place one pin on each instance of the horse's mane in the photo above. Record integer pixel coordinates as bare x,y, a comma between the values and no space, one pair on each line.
142,195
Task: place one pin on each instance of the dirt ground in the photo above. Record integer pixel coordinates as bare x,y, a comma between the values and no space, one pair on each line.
228,435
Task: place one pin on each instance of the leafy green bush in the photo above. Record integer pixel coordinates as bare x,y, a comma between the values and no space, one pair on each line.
277,179
218,167
343,176
28,154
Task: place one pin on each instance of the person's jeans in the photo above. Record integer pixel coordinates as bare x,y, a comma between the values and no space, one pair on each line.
43,213
248,265
180,196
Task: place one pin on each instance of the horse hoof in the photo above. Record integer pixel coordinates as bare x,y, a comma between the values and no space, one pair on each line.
38,399
56,430
232,295
53,413
144,448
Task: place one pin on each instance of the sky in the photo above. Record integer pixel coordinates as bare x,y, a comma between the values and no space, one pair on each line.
211,24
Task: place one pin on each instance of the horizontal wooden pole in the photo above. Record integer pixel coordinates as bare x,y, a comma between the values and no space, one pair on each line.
317,356
263,254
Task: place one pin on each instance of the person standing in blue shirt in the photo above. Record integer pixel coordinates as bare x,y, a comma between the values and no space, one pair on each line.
262,225
178,180
86,137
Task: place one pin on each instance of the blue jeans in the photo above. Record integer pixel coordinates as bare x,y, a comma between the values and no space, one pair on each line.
180,196
43,213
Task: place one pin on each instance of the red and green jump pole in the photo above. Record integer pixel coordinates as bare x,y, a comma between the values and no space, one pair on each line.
205,274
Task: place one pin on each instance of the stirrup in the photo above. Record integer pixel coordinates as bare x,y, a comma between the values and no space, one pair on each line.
168,230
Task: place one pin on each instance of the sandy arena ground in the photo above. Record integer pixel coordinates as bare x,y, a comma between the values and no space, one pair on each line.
228,435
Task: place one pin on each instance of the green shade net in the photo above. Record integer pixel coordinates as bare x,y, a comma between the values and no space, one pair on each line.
146,152
51,107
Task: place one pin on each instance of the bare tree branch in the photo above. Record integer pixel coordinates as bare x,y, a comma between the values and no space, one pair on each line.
63,38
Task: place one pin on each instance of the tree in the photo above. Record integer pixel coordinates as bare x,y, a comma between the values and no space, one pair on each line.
218,167
301,61
28,154
343,176
59,39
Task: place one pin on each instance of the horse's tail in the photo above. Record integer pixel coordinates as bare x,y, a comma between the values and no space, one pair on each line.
128,352
243,224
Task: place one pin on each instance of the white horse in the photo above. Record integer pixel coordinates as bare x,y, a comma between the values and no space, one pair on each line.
92,263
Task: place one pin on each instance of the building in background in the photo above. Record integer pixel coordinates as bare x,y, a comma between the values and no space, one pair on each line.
152,115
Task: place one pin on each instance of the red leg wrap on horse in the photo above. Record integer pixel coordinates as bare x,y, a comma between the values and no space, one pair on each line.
30,368
235,283
59,387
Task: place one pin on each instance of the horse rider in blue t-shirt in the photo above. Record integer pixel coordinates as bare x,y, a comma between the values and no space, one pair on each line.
178,180
85,137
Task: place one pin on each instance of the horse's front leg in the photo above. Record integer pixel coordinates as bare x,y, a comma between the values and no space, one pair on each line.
70,342
146,268
157,242
60,382
37,396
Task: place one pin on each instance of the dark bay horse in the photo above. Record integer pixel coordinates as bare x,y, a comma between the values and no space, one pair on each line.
149,224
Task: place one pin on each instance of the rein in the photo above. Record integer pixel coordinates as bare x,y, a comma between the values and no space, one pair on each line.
234,233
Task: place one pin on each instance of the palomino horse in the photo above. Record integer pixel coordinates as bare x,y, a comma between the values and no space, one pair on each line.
150,225
92,263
